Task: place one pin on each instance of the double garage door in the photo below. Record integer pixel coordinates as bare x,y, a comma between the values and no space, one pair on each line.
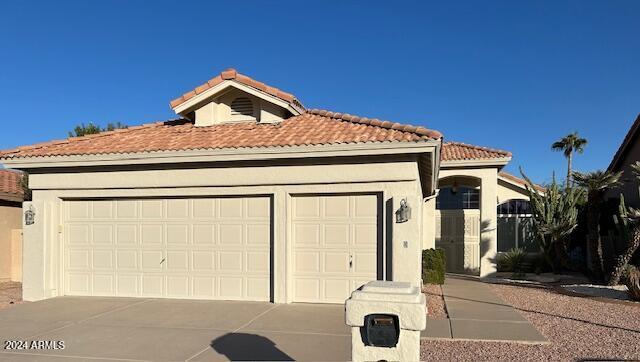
216,248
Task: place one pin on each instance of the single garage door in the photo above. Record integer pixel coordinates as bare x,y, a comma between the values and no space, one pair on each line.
334,246
201,248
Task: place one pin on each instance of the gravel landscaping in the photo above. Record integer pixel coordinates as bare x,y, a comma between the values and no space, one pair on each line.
578,329
10,294
435,301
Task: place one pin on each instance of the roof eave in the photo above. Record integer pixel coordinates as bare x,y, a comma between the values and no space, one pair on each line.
488,162
219,155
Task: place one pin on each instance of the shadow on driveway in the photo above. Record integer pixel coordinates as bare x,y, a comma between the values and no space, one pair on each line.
248,347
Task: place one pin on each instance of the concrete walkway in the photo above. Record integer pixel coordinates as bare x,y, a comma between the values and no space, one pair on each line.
476,313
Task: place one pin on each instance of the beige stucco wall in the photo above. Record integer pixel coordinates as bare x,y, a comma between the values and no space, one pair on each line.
393,180
507,191
10,225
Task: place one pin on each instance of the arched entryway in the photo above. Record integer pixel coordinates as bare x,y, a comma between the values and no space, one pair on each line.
458,226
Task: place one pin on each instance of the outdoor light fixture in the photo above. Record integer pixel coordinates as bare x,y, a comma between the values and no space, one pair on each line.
29,215
454,187
403,214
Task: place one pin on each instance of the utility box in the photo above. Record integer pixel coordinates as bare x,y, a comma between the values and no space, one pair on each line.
386,319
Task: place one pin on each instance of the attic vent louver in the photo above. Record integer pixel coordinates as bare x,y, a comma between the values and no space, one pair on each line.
242,106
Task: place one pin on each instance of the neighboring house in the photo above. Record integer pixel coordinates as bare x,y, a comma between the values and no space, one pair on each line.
247,196
10,226
251,196
627,154
479,210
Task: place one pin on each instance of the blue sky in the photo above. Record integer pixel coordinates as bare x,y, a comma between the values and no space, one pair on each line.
514,75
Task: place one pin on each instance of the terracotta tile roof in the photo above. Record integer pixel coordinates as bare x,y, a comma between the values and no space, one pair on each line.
232,74
519,180
628,141
315,127
456,151
10,188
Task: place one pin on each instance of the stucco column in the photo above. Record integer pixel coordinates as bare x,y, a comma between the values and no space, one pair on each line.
407,241
429,224
33,248
488,226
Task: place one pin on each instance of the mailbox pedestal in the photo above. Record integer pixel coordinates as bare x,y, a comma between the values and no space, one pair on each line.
386,319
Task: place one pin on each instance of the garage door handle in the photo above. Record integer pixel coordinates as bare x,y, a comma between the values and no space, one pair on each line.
162,261
350,261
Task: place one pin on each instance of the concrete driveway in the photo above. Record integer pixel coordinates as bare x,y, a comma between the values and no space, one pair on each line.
175,330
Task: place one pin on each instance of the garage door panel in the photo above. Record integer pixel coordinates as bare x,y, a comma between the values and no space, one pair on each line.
177,209
102,209
334,246
79,210
152,233
125,209
152,285
336,262
259,234
102,259
203,261
101,234
78,259
152,260
177,260
258,261
204,287
103,284
231,287
258,208
127,259
177,286
231,234
128,285
152,209
126,234
336,207
306,234
78,234
306,262
177,234
78,283
231,208
230,261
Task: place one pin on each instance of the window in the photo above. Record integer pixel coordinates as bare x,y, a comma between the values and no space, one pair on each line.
515,207
453,198
242,106
515,226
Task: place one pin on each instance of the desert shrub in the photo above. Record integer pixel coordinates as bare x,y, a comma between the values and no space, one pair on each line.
631,278
433,266
514,261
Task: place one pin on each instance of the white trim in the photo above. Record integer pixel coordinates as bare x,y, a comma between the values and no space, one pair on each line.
476,163
226,154
193,101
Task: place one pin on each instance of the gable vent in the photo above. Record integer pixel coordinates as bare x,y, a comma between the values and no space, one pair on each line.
242,106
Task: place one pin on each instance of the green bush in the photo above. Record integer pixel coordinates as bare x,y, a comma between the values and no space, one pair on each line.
433,266
513,261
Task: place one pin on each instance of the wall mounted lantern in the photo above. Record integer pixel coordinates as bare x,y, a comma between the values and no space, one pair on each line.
29,216
403,214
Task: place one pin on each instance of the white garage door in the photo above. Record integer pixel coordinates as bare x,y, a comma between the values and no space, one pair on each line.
207,248
334,246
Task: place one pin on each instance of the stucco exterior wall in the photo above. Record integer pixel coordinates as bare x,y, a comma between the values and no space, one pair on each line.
393,180
10,225
507,191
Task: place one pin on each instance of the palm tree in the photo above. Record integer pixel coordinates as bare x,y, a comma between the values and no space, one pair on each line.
596,183
568,145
